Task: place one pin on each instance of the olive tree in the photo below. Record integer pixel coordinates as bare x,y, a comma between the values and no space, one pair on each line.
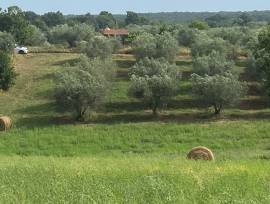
261,55
153,81
218,91
155,46
215,63
71,35
144,46
186,36
84,86
99,46
7,71
204,45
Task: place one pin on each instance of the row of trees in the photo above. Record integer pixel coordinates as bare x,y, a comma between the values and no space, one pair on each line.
154,78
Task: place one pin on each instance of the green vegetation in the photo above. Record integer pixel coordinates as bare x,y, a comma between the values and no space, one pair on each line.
131,179
118,152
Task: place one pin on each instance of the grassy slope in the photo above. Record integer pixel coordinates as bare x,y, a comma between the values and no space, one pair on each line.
124,154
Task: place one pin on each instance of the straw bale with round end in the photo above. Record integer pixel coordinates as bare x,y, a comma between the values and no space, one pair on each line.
201,153
5,123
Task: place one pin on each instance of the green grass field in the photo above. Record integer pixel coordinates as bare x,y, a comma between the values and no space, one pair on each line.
124,154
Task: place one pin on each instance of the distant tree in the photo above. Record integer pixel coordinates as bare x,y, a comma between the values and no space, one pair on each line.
106,19
13,21
134,18
98,47
218,91
71,35
200,25
35,37
243,19
261,55
85,86
215,63
204,45
218,20
186,36
35,20
166,47
153,81
144,45
7,72
53,18
7,42
158,46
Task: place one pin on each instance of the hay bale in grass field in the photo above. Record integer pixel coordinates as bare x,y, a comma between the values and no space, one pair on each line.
201,153
5,123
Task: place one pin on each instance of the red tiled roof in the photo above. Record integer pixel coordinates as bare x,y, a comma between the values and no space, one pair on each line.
108,31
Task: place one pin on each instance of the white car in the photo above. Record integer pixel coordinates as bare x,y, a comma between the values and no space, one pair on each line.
21,50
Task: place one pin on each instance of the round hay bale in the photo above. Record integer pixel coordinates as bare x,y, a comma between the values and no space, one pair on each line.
201,153
5,123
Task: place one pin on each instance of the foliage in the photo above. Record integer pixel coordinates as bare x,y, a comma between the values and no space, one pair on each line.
133,18
218,90
215,63
204,45
71,35
148,45
35,37
98,46
262,56
200,25
153,81
106,20
84,86
12,21
7,42
53,18
186,36
7,72
144,45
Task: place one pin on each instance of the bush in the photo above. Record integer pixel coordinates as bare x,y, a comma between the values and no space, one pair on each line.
7,42
215,63
7,72
218,90
98,46
153,81
71,35
35,37
204,45
148,45
84,86
186,36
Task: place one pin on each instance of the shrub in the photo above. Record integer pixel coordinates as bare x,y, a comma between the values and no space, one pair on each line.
35,37
215,63
218,90
98,46
158,46
7,42
71,35
186,36
7,72
153,81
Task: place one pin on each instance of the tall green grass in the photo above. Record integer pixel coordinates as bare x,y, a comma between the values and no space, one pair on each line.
132,179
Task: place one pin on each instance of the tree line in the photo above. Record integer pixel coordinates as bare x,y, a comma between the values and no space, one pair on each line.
154,78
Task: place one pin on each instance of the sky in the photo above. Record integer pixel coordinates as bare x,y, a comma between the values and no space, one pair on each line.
140,6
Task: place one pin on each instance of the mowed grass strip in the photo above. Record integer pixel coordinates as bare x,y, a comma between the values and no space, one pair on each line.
132,179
